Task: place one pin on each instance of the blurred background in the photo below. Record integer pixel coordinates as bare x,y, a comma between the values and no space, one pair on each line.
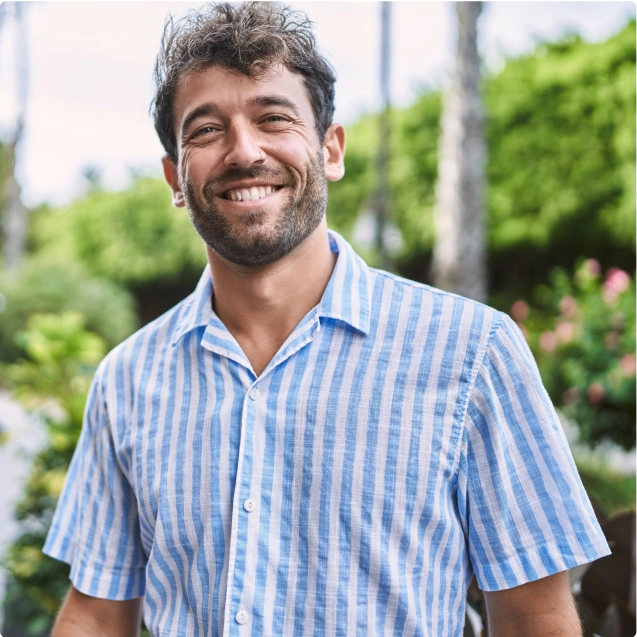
491,152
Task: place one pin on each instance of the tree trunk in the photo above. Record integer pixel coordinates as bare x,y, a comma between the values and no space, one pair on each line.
382,195
459,252
15,214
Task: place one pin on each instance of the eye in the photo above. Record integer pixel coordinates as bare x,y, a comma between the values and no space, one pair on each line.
275,118
205,130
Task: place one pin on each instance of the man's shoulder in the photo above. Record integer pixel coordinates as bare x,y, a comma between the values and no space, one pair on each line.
151,339
431,298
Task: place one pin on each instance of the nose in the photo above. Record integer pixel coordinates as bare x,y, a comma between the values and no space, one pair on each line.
244,150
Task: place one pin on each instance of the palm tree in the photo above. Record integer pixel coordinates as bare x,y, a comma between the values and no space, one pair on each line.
459,252
14,217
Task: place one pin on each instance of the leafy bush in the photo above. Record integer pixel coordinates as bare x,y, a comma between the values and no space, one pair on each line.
134,238
131,237
560,132
561,167
45,285
612,491
53,380
582,332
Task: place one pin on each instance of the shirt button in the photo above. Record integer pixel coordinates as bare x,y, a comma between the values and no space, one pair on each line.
241,617
248,505
254,393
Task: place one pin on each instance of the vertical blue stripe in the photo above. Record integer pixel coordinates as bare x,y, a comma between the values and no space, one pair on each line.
418,422
329,438
369,463
218,536
431,512
346,507
308,452
287,478
396,428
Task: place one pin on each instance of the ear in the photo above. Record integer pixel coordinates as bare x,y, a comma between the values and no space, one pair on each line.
334,152
172,177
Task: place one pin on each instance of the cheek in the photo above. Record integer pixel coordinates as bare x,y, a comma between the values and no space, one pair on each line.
185,163
195,165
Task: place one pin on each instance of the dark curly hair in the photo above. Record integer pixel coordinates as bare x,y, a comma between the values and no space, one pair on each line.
247,38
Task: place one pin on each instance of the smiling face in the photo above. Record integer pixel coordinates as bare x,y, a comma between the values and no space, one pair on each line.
251,170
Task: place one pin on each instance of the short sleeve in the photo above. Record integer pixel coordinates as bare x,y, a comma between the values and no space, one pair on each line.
524,509
96,528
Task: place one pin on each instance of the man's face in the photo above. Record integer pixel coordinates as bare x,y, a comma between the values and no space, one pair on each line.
251,170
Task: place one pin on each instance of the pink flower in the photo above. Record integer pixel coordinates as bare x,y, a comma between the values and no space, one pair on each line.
568,307
608,294
628,364
592,267
617,280
548,341
595,393
520,311
570,396
564,332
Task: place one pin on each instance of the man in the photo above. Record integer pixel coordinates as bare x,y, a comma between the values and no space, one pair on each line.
306,445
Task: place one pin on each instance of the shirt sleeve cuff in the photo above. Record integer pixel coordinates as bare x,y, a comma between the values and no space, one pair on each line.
535,563
104,582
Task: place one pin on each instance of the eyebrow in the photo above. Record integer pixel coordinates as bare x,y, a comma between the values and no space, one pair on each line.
210,108
202,110
275,100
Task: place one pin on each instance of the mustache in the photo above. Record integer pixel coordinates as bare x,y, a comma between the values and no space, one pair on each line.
218,184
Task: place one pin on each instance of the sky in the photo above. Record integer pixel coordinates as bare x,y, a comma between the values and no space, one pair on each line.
90,71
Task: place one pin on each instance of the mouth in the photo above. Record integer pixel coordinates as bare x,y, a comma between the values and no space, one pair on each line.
252,193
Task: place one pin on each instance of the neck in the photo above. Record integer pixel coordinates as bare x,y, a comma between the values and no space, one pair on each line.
262,306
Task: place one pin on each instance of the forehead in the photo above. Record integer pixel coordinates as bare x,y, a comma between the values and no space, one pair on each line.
230,91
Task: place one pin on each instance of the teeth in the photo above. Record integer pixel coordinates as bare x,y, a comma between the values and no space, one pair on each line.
249,194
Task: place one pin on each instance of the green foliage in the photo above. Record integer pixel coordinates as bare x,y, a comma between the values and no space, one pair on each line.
348,196
561,138
131,237
613,492
413,171
45,284
53,380
560,132
582,333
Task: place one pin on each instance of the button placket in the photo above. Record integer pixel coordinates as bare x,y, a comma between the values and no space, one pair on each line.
240,550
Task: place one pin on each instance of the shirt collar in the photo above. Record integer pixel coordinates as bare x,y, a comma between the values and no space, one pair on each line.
197,308
347,296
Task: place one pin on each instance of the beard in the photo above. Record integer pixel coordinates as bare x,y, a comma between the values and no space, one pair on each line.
246,238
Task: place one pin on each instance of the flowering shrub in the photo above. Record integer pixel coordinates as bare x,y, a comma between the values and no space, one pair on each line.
582,333
52,379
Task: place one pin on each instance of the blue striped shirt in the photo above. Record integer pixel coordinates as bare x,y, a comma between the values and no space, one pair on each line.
398,443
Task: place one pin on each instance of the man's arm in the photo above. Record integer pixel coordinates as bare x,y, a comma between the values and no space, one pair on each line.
543,608
85,616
